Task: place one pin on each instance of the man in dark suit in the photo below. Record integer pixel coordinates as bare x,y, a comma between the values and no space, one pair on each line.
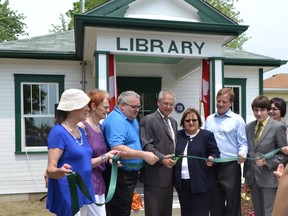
158,135
264,135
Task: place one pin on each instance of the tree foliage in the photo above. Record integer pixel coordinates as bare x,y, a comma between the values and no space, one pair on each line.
77,9
227,7
11,23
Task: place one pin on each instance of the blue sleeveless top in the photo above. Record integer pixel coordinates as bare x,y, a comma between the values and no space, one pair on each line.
79,157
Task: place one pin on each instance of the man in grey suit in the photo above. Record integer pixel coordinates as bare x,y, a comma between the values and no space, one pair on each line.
158,135
264,135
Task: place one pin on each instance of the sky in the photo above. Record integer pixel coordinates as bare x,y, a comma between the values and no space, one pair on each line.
267,21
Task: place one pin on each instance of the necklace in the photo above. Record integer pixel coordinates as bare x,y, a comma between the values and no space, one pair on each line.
79,140
96,127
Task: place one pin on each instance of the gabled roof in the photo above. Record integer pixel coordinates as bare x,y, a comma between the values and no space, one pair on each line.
118,8
277,81
117,14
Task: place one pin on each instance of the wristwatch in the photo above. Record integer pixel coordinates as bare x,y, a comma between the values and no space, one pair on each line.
104,158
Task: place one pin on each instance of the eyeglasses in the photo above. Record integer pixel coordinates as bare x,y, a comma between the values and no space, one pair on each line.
189,120
274,109
133,106
166,104
106,107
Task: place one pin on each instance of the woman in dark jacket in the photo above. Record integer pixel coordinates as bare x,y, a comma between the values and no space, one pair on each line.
194,178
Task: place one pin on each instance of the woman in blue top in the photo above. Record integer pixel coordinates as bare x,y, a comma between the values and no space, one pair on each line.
68,151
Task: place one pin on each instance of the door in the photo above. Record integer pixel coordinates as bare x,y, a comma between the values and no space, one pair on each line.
147,87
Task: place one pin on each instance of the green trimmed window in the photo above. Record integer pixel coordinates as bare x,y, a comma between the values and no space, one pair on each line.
239,88
36,97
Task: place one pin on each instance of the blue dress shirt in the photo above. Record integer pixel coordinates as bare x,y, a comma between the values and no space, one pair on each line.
229,132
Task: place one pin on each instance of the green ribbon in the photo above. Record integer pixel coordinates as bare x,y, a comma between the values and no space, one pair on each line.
76,179
134,166
223,160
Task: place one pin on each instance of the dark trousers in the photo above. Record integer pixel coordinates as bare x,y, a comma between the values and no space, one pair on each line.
194,204
120,204
227,194
158,200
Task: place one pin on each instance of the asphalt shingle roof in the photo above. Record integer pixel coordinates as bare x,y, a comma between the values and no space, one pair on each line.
56,42
276,81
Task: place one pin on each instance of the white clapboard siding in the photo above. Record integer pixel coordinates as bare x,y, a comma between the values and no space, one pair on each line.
21,173
252,85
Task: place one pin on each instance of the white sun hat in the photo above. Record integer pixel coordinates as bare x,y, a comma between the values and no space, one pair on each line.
73,99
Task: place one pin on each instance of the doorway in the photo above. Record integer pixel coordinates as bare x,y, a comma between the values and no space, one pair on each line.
147,87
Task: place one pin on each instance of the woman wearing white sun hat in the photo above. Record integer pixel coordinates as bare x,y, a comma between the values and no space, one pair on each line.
68,151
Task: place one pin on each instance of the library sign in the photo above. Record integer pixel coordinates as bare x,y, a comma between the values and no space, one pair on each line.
172,46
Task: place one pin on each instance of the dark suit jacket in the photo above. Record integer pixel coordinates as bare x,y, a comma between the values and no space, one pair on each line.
272,137
202,145
155,138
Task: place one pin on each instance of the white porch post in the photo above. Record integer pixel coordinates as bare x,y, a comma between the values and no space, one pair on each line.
217,80
101,67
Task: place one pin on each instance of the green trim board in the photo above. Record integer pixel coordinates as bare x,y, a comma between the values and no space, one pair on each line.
208,13
254,62
111,8
147,59
261,71
37,55
97,69
18,79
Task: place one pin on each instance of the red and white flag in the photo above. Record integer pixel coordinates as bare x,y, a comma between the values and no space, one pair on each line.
205,96
112,82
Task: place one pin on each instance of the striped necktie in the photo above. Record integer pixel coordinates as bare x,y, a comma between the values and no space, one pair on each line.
169,129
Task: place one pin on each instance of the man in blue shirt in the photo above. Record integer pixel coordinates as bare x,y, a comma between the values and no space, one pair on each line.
121,132
229,131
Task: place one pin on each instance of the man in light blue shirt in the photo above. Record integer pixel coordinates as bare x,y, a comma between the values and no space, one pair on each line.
229,131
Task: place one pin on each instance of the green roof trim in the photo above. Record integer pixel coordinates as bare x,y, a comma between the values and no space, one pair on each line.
209,14
37,55
254,62
111,8
158,25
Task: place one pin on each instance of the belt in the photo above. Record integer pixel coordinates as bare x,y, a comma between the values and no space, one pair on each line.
128,171
226,163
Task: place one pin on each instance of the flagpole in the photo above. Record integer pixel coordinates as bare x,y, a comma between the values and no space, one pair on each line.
83,6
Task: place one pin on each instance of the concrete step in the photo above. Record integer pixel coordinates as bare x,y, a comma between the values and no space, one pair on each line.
176,205
175,212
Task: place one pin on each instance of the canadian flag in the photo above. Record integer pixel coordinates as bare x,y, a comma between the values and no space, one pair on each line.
112,82
205,96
